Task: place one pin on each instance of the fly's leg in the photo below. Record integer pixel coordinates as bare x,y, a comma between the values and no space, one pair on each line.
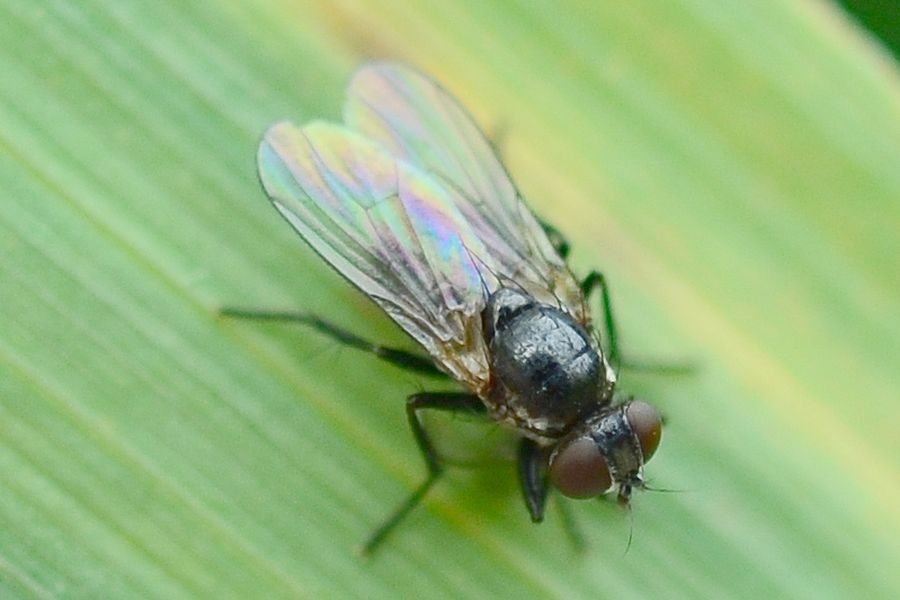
533,477
594,280
401,358
447,401
557,239
535,487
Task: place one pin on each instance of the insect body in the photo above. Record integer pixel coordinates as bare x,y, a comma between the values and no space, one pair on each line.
407,200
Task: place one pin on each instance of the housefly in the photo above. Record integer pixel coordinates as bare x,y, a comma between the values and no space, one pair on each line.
407,200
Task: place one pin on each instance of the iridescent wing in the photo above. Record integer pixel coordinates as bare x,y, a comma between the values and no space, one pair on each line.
390,229
419,122
409,203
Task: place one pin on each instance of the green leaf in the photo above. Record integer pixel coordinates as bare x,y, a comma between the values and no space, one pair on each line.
732,168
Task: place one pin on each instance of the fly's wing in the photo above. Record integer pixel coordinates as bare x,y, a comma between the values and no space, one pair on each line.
422,124
390,229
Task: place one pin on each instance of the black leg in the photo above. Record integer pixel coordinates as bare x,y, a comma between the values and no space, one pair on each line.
448,401
594,280
535,488
533,477
401,358
557,239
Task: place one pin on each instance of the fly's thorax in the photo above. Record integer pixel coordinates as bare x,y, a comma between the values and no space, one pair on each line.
607,449
546,370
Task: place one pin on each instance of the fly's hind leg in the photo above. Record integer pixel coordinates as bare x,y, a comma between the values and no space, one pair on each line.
447,401
594,280
401,358
557,239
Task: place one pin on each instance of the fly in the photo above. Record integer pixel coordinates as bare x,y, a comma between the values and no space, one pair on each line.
407,200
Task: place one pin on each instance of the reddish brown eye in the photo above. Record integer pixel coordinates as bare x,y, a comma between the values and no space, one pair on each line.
578,470
646,425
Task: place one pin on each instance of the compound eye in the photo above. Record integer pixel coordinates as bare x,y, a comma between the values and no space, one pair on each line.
646,425
578,470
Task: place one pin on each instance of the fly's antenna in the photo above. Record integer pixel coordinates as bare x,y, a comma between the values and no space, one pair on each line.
649,488
630,529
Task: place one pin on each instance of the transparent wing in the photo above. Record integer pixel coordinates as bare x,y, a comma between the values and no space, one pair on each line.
390,229
419,122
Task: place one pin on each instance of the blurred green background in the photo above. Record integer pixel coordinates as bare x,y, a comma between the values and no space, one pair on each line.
732,167
881,17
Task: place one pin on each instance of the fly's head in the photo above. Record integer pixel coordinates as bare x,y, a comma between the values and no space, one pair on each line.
608,449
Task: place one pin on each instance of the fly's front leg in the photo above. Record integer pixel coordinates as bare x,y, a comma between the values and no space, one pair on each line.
533,477
447,401
536,486
401,358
